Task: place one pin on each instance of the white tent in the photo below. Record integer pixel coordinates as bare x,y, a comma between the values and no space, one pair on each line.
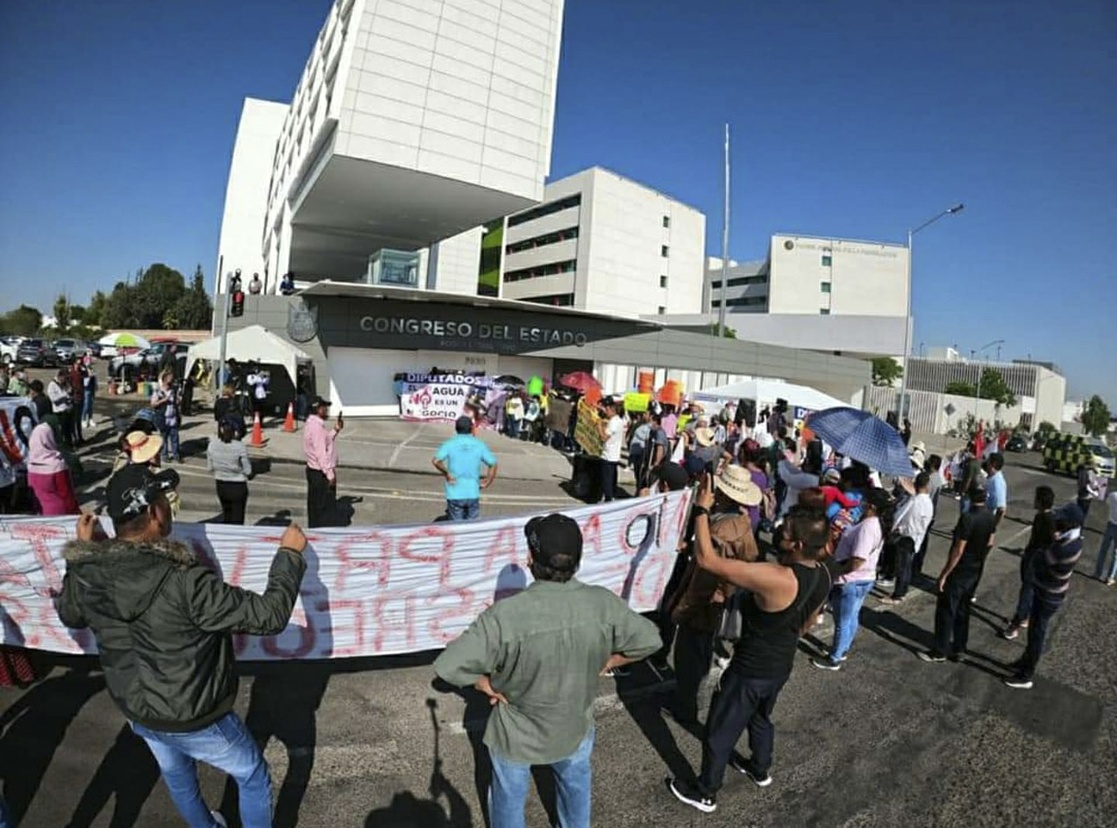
251,344
767,391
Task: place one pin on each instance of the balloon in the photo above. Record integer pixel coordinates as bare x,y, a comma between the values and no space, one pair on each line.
535,387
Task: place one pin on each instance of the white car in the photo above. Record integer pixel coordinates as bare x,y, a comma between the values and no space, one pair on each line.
9,345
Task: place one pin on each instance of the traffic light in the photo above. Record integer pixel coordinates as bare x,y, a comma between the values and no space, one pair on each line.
238,303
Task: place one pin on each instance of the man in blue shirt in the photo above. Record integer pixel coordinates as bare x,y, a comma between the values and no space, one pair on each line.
996,489
460,460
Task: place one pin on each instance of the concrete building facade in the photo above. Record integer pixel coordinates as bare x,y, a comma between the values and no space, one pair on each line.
604,243
414,122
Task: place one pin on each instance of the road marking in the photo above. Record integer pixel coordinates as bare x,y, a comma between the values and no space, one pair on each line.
402,446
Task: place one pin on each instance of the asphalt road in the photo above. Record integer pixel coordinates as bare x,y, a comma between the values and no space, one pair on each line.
887,741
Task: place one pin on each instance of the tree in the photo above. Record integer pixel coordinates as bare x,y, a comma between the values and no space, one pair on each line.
62,316
1046,427
729,332
994,387
23,321
961,388
96,310
1096,416
886,371
193,310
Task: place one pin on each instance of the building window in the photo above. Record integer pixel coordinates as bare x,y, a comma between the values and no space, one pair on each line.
667,221
556,300
761,279
827,261
825,287
663,281
824,311
540,241
741,301
662,310
545,210
664,251
553,269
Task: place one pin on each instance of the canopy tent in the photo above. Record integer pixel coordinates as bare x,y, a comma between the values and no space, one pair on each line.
768,391
251,344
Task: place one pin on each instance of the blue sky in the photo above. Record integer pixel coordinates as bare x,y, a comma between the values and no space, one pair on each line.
853,119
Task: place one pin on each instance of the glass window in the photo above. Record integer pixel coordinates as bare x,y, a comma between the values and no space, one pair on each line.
662,310
667,221
546,210
540,241
824,311
664,251
825,287
663,281
827,261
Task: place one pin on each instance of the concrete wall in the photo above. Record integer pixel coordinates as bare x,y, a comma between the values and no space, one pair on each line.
456,261
865,278
927,410
246,193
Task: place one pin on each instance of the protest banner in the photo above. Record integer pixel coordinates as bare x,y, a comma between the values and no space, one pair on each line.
559,412
367,591
17,419
636,402
585,429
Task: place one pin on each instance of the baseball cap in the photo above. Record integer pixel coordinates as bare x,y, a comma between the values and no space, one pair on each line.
555,542
673,475
317,401
135,487
694,466
1070,514
463,425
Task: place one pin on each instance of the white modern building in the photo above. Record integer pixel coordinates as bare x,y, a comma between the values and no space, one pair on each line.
414,123
604,243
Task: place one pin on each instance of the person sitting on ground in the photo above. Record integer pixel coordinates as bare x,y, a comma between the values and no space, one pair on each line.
164,624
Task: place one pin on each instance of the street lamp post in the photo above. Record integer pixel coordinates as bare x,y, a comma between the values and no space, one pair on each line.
949,211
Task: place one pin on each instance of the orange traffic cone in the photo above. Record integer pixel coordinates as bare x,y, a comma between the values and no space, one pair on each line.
289,422
257,432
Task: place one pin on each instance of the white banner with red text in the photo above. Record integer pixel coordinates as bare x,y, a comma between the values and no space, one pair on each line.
367,591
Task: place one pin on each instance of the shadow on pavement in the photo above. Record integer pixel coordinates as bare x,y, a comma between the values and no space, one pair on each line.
128,772
408,811
33,729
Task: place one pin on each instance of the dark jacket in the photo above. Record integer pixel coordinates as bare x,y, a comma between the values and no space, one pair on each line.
164,623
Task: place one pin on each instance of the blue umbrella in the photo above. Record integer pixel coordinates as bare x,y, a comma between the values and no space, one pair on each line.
863,437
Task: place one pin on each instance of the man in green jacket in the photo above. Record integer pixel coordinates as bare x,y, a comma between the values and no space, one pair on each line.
164,624
537,656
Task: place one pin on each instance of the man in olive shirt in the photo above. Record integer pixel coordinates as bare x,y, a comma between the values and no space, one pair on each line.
537,656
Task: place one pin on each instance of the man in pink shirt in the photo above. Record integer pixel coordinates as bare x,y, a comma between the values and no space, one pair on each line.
321,464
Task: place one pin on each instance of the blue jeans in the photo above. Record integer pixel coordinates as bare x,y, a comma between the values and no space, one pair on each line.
847,600
1108,540
87,407
170,443
463,509
5,817
227,745
512,780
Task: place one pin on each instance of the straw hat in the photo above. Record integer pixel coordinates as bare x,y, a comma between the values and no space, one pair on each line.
736,483
143,447
704,435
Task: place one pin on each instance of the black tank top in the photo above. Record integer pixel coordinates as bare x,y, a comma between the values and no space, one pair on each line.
768,639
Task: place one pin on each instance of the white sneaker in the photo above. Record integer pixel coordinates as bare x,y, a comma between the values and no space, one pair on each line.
220,820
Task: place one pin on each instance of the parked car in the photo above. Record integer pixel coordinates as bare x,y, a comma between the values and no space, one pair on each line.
9,345
1017,442
37,352
94,348
69,349
149,359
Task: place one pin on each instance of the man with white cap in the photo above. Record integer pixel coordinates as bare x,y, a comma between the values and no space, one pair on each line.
696,606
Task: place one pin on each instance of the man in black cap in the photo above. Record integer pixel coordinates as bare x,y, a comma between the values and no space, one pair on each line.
321,464
461,460
163,623
1052,574
537,656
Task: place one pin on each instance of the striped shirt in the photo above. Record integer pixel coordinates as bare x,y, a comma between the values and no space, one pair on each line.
1055,565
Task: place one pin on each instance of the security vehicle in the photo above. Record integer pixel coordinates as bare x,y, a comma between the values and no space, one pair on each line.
1067,453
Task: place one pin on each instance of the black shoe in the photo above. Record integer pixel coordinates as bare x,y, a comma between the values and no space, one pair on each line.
931,657
955,657
688,794
761,780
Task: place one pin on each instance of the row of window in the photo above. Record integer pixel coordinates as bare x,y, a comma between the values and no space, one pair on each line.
555,300
741,301
552,269
539,241
738,281
545,210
